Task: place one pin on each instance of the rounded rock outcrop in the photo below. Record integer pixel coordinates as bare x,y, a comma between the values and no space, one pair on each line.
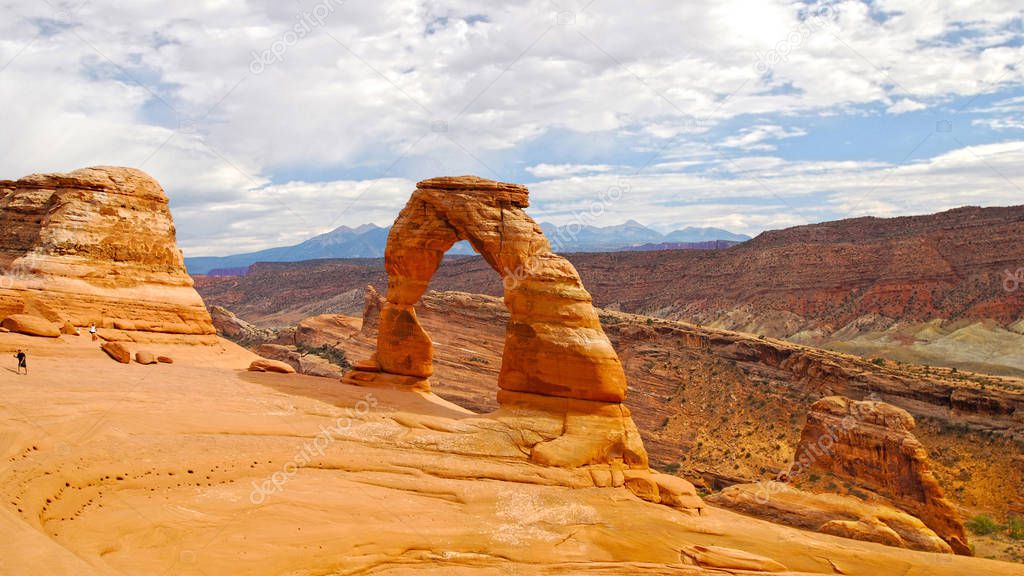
92,245
31,326
872,444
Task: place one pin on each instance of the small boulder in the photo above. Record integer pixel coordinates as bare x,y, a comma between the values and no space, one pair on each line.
145,357
4,330
69,329
265,365
31,326
118,352
165,359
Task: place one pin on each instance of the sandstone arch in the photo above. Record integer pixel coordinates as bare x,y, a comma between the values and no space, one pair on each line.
561,382
554,346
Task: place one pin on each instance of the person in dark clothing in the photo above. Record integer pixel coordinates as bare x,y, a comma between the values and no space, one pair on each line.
22,361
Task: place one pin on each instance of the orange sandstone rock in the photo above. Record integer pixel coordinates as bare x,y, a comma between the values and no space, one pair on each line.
31,326
871,444
267,365
118,352
561,382
554,342
96,245
834,514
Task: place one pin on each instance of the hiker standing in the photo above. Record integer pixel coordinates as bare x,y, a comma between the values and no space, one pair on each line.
92,332
22,361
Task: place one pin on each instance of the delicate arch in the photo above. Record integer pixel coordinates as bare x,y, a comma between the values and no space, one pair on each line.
554,344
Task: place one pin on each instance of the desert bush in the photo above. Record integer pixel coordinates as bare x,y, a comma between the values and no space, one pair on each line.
982,525
1015,527
329,353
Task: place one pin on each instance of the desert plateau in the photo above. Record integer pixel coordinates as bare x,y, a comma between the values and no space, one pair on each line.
337,288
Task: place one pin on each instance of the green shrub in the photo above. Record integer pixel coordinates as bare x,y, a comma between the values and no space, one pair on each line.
878,361
982,525
1015,527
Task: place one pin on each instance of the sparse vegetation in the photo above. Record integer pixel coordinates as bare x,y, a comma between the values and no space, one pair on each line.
983,525
1015,527
329,353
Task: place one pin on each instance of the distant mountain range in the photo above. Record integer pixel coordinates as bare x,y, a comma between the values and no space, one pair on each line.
938,289
369,240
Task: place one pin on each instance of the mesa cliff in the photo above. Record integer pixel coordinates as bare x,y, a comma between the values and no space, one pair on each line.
929,289
96,245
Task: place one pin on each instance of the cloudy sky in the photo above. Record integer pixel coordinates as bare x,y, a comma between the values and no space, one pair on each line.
270,121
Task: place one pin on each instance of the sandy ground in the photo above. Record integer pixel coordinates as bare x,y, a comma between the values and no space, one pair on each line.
202,468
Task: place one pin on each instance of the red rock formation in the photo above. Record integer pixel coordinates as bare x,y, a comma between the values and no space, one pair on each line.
31,326
267,365
698,394
96,245
554,343
561,382
822,283
871,444
829,513
118,352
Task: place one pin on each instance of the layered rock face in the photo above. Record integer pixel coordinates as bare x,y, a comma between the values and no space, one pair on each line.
871,444
924,289
96,245
690,383
561,381
237,330
834,514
